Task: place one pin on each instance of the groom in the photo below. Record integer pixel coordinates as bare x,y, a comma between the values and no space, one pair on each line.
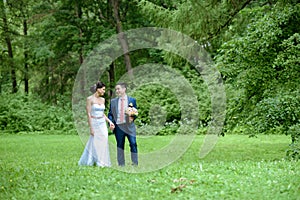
123,126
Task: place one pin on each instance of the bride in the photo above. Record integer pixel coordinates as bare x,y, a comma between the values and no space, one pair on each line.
96,151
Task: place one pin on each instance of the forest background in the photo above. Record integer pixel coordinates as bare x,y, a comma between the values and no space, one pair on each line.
255,45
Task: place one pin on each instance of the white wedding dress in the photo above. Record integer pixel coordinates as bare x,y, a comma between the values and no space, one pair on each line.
96,151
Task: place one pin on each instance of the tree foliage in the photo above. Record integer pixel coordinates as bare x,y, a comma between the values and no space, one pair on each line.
261,67
255,45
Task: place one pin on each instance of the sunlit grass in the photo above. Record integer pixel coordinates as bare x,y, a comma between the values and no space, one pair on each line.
45,167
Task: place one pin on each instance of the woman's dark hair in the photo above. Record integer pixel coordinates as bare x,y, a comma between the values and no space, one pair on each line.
99,84
94,87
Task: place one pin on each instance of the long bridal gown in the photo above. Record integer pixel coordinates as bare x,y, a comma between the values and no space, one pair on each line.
96,151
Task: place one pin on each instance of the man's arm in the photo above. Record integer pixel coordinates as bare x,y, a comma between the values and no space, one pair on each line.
111,118
110,114
134,105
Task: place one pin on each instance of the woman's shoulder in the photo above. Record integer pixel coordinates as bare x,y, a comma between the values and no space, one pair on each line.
89,98
102,99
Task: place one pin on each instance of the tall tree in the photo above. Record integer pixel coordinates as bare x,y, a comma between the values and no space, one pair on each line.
21,10
26,71
121,35
7,35
261,69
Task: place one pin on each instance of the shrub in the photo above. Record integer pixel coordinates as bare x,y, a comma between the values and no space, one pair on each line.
29,114
294,151
275,114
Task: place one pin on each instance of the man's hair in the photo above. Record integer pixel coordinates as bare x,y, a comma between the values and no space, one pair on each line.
123,85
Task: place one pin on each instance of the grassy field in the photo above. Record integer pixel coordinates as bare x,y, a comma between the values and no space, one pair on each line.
45,167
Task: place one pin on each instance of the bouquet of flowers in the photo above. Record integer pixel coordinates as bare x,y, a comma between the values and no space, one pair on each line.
131,112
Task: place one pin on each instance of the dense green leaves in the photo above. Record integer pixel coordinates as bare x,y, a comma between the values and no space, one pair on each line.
262,66
29,114
279,112
255,45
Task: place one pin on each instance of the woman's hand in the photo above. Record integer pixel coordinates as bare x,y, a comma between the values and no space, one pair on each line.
131,119
111,126
92,132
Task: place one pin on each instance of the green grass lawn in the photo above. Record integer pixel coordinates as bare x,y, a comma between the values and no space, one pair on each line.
45,167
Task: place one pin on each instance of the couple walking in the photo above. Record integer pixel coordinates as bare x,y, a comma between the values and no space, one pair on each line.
96,151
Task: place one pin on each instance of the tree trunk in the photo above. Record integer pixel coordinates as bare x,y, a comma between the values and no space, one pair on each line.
9,48
79,16
25,58
111,77
121,36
